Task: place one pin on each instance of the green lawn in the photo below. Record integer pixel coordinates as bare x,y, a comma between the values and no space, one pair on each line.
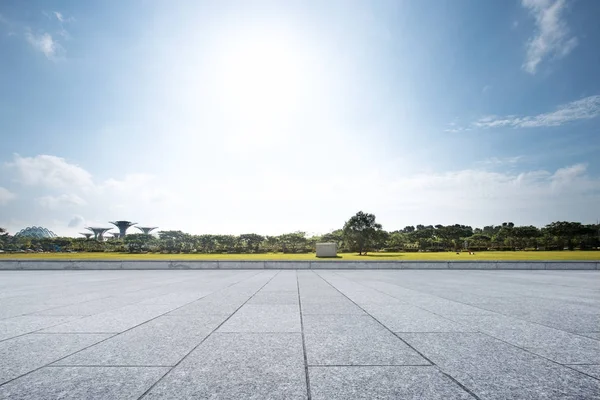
446,256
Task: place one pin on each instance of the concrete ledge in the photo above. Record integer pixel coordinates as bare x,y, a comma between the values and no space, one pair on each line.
520,265
557,265
94,265
287,264
335,264
193,264
14,265
241,264
472,265
424,264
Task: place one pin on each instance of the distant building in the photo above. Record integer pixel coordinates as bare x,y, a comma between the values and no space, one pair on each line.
36,232
98,232
123,226
146,229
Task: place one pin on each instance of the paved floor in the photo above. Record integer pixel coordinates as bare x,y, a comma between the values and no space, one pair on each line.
300,334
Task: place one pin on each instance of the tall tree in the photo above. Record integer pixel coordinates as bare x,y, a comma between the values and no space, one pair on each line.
361,231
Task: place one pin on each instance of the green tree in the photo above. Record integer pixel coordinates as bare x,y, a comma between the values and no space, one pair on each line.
361,231
295,242
251,242
567,231
138,242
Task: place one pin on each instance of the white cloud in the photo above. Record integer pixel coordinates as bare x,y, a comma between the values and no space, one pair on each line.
59,16
44,43
586,108
6,196
76,222
64,200
501,161
552,37
50,171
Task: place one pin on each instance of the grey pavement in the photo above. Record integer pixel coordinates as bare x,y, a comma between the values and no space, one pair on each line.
300,334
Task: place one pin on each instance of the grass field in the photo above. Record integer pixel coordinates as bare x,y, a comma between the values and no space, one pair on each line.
445,256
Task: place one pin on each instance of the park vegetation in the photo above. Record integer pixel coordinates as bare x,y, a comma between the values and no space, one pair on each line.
360,234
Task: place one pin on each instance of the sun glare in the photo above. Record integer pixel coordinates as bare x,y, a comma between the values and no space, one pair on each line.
262,76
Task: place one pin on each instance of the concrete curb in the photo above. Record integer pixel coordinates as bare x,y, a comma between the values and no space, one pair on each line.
15,265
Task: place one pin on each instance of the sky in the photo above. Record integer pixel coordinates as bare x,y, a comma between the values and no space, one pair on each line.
273,117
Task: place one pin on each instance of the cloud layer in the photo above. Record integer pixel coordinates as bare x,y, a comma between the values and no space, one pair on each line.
49,171
552,38
586,108
475,196
6,196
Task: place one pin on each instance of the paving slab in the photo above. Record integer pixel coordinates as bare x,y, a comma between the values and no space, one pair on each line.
331,307
493,369
239,366
264,318
562,347
90,383
112,321
24,354
163,341
591,370
501,334
417,383
356,348
17,326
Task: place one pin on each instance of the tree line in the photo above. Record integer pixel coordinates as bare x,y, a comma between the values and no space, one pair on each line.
361,233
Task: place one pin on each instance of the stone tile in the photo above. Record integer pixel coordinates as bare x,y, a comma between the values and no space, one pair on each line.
264,318
341,324
593,335
323,297
562,347
112,321
417,383
163,341
591,370
26,353
273,297
239,366
177,299
90,383
89,307
221,305
497,370
334,307
413,319
16,326
384,348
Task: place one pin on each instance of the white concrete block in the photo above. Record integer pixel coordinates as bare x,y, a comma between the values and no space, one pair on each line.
326,249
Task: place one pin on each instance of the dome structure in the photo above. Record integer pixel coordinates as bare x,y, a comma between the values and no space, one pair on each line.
37,232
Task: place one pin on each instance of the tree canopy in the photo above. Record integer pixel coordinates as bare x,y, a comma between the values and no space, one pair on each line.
361,231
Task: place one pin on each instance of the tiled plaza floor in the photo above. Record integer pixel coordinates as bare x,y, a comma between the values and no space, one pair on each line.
242,334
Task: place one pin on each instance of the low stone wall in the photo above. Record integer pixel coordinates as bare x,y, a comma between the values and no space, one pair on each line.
316,265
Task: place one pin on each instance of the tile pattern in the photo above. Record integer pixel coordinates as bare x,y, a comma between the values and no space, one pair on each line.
299,334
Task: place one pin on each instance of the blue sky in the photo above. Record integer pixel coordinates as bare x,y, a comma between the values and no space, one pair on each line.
277,116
